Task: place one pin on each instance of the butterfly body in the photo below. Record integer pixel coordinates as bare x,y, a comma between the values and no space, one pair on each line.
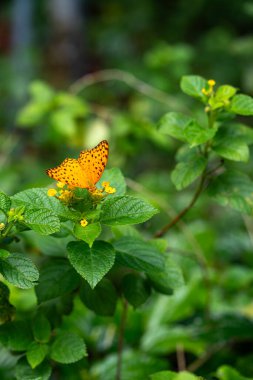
86,170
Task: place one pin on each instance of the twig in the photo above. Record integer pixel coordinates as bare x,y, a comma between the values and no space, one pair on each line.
181,364
206,356
122,328
185,210
128,78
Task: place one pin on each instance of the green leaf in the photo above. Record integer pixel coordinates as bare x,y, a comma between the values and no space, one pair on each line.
19,270
41,328
116,179
230,143
72,104
164,339
16,336
174,124
63,122
225,92
102,300
138,254
126,210
32,113
57,277
92,263
235,150
5,202
168,375
36,353
169,279
23,371
43,221
135,289
4,254
37,198
226,372
233,189
192,85
196,135
163,375
68,348
41,91
88,233
242,105
135,366
186,172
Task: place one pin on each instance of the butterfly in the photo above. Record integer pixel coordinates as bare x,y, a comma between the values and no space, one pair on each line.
85,171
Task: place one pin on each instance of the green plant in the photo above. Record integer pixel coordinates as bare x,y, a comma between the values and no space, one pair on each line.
80,248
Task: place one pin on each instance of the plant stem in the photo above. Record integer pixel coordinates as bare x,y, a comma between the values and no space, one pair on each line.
186,209
122,328
128,78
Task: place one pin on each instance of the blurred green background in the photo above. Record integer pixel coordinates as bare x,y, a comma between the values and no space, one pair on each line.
45,47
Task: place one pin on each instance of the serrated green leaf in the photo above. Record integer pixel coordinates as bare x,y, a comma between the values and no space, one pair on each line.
116,179
226,372
138,254
88,233
126,210
102,300
92,263
41,328
43,221
19,270
192,85
57,277
16,336
169,279
196,135
174,124
68,348
23,371
242,105
136,289
36,353
231,144
233,189
186,172
37,198
5,202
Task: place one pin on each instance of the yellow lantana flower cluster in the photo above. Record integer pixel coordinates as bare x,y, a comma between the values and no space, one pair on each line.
64,195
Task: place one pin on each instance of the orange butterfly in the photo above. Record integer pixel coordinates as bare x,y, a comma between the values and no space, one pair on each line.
86,170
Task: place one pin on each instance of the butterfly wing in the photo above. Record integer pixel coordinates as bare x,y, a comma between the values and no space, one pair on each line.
69,172
93,162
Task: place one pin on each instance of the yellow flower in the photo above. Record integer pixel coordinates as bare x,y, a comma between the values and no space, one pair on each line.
105,183
51,192
83,222
204,91
60,185
66,195
110,190
2,226
211,82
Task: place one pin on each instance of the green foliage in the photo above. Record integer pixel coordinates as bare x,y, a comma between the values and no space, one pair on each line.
90,276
